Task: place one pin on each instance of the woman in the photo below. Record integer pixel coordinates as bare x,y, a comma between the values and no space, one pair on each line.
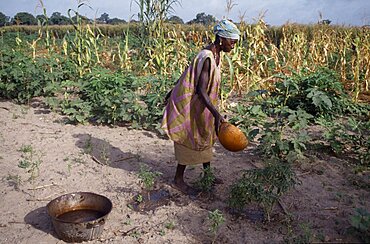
191,119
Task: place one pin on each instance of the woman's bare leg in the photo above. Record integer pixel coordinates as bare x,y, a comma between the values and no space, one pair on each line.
180,183
217,180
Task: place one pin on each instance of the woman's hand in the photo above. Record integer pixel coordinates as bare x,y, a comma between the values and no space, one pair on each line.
218,120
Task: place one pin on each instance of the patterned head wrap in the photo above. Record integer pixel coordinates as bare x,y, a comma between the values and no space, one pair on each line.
226,29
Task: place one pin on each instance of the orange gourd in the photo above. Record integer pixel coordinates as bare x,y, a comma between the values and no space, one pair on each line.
231,137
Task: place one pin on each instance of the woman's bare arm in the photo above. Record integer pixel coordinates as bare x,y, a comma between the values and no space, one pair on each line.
201,90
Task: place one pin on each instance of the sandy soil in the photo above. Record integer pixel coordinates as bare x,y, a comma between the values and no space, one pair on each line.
106,161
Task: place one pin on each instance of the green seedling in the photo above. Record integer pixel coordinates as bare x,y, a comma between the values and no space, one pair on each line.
360,224
139,198
206,180
304,235
14,180
127,222
170,225
148,177
135,234
216,219
29,163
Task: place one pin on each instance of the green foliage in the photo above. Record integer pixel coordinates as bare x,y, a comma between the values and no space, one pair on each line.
58,19
248,118
319,92
206,180
23,77
204,19
29,163
154,10
348,136
14,180
139,198
283,131
3,19
285,137
154,98
24,18
216,219
113,98
83,44
147,176
360,223
20,77
304,236
281,118
262,186
175,20
170,225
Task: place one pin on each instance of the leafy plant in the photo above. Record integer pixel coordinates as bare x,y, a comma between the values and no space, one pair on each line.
29,163
216,219
83,44
248,117
285,137
319,92
262,186
139,198
20,77
147,176
360,222
305,235
348,136
170,225
14,180
113,98
206,180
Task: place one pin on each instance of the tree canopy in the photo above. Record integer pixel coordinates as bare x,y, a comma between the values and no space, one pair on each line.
175,20
116,21
58,19
24,18
204,19
104,18
3,19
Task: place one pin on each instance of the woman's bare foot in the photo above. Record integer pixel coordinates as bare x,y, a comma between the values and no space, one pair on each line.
185,188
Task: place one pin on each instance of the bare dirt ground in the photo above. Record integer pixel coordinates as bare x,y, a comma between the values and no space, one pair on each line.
320,207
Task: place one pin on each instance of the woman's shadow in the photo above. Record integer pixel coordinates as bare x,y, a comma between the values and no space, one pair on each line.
104,153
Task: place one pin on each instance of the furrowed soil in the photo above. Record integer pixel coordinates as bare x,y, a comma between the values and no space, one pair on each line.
106,160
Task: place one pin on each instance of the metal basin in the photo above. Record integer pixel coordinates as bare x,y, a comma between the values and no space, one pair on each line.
79,216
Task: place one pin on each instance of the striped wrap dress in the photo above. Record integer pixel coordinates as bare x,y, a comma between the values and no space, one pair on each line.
186,119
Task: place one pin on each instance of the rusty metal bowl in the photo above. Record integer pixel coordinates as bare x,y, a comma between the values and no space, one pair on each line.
79,216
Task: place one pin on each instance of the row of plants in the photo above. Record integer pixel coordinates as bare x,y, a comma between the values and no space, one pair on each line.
101,96
280,120
262,52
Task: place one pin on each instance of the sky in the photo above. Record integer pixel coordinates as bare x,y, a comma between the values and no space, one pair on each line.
274,12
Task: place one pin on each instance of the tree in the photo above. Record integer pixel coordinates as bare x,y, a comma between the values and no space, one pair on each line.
58,19
116,21
104,18
41,18
3,19
24,18
175,20
203,19
82,18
